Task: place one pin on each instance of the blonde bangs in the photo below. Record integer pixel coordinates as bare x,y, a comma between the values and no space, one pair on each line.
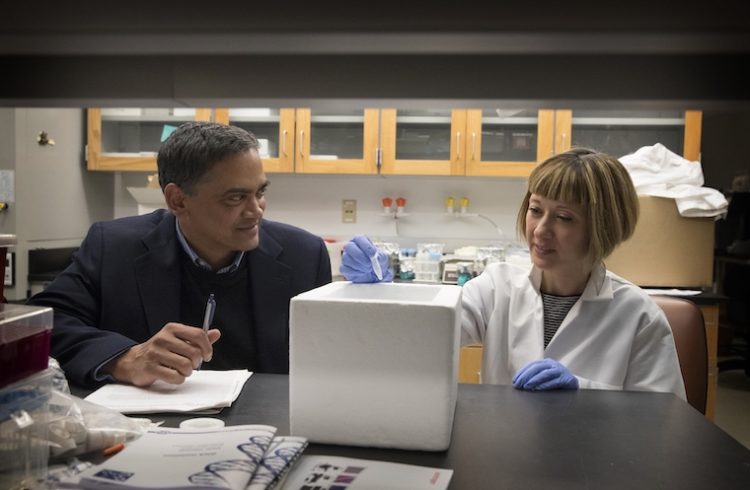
560,181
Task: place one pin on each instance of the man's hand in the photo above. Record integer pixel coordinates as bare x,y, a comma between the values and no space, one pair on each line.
171,356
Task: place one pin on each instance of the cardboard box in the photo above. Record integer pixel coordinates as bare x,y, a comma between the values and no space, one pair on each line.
666,249
375,364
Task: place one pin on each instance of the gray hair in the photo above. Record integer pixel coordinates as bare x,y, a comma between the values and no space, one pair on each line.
192,150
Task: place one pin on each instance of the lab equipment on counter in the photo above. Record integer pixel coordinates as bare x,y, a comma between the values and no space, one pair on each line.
406,258
452,268
428,263
492,254
464,274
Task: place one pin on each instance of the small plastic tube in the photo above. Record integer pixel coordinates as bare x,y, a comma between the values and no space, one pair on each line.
400,204
464,204
449,205
387,203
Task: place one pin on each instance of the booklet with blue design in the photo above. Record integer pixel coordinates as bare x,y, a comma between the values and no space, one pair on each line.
229,458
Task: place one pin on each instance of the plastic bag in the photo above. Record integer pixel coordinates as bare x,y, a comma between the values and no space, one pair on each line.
77,426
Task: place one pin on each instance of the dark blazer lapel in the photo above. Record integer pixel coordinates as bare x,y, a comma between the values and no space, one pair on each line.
158,275
270,282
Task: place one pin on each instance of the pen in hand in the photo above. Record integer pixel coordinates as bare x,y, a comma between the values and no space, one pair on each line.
208,316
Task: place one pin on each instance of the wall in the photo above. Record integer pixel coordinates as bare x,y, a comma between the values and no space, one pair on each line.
723,152
313,202
56,198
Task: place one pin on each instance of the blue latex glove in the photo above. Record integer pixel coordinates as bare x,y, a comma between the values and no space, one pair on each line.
362,261
546,374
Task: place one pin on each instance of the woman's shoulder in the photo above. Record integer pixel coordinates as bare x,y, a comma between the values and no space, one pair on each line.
631,296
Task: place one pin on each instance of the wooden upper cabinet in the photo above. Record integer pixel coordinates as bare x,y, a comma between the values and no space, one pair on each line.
128,139
274,129
620,133
340,143
423,142
474,142
692,140
507,143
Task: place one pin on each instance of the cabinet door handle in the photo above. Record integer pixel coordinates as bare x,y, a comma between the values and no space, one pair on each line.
458,145
301,140
283,142
473,143
562,142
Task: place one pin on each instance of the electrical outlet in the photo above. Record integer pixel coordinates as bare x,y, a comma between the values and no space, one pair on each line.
349,211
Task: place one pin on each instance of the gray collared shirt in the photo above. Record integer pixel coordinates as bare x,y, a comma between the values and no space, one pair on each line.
202,263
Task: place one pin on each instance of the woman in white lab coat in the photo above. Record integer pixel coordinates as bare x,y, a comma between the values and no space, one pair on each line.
567,322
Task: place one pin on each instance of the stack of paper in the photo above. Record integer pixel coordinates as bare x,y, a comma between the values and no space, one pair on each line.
202,391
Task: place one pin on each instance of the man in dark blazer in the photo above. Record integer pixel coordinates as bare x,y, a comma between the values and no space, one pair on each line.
131,305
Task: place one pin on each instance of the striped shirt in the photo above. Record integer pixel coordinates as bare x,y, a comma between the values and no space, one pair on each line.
555,310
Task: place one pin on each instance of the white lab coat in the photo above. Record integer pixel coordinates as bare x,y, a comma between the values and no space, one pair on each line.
614,337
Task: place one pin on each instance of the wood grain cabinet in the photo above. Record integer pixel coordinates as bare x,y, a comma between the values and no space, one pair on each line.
474,142
301,140
127,139
274,129
343,142
423,142
291,139
492,142
620,132
508,143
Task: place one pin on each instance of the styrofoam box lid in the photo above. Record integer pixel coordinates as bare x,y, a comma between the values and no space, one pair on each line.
19,321
345,291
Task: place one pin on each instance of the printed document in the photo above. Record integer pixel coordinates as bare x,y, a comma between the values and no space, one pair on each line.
336,473
177,459
202,391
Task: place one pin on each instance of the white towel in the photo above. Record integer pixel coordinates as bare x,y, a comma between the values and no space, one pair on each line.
656,171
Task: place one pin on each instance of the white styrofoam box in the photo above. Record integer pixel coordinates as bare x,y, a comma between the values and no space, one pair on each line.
375,364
